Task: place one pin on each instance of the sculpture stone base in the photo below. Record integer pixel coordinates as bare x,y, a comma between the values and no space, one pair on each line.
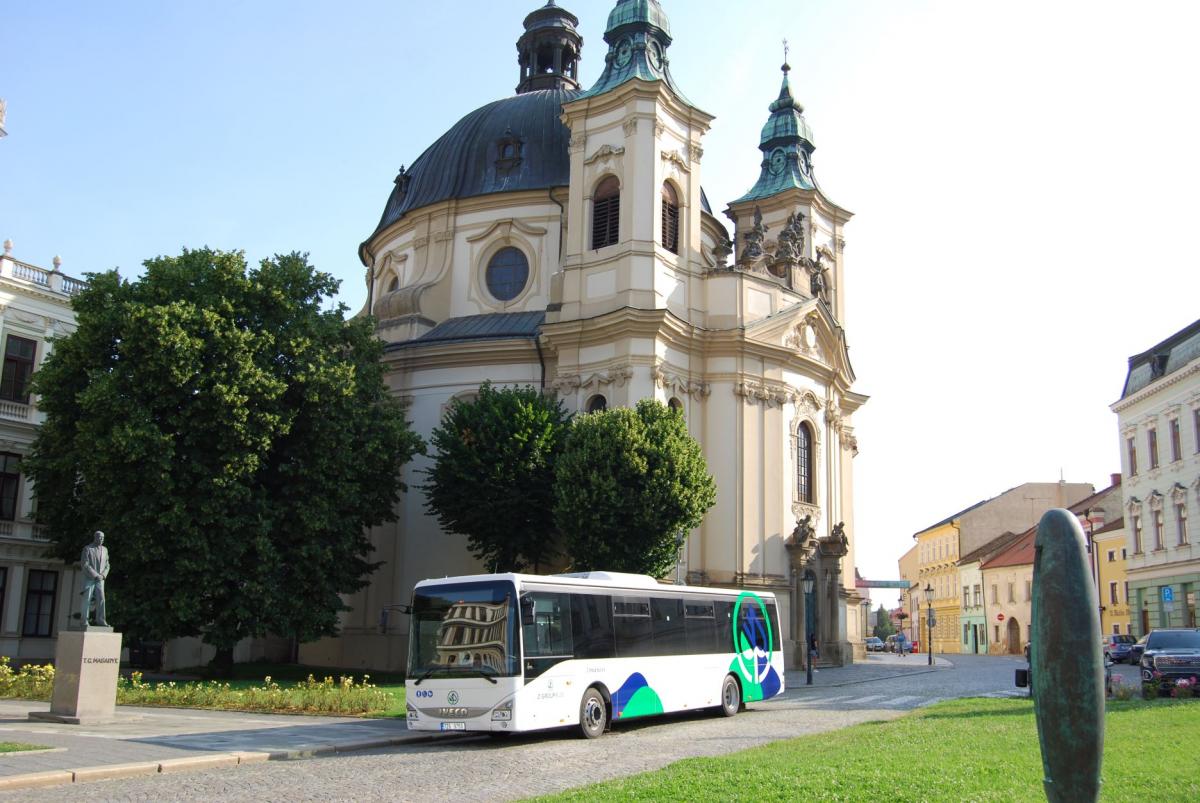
86,665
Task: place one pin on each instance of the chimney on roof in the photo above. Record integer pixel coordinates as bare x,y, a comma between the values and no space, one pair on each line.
1116,478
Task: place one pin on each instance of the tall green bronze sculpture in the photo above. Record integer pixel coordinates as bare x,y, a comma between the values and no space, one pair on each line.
1067,661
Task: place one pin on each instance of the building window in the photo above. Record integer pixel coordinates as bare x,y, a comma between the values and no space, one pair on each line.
1152,446
1176,444
804,464
597,404
966,597
1131,448
1158,530
1124,553
997,639
1127,591
507,273
1112,555
3,589
965,641
1181,523
670,218
995,596
675,404
18,368
606,213
1028,590
1116,630
978,594
1112,593
10,483
39,603
1012,594
1137,535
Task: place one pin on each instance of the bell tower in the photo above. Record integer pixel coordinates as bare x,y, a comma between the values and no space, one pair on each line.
634,202
549,50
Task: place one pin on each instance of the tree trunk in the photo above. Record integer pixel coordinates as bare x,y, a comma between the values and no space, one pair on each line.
221,665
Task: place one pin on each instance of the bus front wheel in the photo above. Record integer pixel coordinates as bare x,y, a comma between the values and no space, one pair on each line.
731,696
593,714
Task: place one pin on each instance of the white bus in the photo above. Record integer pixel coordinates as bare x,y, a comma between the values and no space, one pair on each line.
515,652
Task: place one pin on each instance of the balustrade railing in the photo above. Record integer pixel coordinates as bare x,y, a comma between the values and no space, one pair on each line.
31,273
15,410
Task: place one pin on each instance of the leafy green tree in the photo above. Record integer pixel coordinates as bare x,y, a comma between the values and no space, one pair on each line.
232,434
883,623
628,486
493,475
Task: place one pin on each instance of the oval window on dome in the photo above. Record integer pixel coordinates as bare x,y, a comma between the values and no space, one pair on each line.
506,274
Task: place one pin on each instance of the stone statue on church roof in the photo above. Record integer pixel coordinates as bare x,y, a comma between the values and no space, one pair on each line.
754,240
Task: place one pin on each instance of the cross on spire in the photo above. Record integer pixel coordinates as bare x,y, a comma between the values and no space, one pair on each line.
786,67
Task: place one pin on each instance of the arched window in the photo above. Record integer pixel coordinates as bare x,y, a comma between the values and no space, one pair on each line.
670,218
596,404
506,274
804,464
675,404
606,212
394,284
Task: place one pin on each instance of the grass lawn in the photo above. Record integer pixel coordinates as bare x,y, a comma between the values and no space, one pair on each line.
974,749
19,747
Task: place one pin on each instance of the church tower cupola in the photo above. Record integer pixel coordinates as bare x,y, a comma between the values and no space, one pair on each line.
549,50
787,147
638,35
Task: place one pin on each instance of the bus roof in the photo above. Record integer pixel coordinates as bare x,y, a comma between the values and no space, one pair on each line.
609,580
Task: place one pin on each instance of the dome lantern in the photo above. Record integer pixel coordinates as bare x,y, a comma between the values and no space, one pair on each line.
549,50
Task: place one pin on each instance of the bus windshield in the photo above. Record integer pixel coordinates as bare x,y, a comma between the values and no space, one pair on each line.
464,629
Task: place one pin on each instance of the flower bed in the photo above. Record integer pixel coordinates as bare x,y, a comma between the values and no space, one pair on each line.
1164,686
30,683
309,696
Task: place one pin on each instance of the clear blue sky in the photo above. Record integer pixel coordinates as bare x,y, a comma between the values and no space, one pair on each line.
1024,176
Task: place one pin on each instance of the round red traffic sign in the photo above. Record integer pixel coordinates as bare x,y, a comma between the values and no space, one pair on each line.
999,617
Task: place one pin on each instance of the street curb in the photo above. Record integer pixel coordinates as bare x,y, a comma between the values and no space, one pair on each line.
106,772
906,674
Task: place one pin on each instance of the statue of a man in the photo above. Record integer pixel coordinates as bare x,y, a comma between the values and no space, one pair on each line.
94,562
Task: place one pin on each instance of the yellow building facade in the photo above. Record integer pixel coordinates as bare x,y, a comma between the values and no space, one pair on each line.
937,586
1111,580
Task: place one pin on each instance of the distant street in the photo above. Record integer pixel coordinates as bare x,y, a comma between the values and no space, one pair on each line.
480,768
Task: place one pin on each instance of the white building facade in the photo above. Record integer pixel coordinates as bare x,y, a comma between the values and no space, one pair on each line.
1158,417
37,594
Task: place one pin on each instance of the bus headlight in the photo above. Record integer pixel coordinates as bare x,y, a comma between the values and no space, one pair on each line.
412,712
502,712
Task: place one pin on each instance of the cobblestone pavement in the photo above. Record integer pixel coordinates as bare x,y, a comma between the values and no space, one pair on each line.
478,768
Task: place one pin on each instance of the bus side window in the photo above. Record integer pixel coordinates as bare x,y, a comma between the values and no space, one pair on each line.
667,616
631,624
700,622
724,613
591,622
548,636
776,635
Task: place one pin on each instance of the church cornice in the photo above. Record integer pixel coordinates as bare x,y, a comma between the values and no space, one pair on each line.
631,91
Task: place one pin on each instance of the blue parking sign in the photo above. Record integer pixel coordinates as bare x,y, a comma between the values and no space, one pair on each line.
1168,594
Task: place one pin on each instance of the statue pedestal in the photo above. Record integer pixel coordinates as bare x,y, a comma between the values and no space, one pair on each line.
86,664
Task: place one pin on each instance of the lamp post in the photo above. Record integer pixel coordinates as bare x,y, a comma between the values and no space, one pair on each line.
1094,560
808,587
929,621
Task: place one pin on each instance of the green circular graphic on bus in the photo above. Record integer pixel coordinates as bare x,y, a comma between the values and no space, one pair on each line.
753,641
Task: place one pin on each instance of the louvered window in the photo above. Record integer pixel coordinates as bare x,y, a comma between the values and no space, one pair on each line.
606,213
670,219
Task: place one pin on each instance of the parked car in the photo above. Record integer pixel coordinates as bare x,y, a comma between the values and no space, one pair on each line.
875,644
1118,648
894,641
1171,654
1135,651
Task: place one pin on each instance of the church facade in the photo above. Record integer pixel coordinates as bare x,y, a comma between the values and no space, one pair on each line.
561,238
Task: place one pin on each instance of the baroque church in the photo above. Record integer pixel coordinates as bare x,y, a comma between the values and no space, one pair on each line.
561,238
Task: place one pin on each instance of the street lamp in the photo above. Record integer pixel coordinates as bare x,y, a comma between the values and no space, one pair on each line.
929,621
808,587
1094,558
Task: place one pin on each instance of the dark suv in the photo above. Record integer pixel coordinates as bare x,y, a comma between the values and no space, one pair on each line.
1118,648
1171,655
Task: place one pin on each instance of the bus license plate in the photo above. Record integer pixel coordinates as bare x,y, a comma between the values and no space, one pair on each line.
454,726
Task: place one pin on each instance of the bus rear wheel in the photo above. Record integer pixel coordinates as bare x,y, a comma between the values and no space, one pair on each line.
593,714
731,696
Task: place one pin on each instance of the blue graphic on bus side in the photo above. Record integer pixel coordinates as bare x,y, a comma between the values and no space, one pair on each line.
635,698
752,647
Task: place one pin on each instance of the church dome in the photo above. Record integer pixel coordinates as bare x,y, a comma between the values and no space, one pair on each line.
514,144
